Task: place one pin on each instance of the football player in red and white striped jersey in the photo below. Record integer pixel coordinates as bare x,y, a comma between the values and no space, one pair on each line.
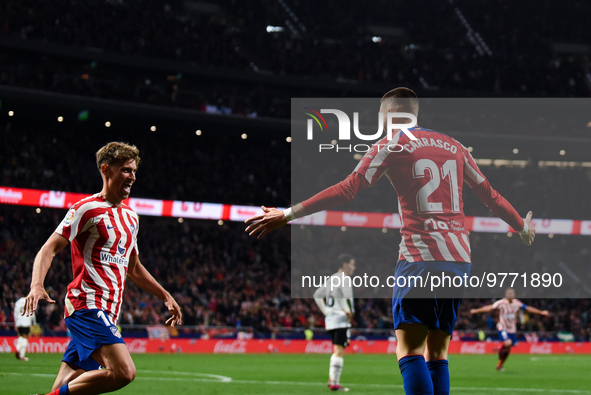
428,170
507,326
103,233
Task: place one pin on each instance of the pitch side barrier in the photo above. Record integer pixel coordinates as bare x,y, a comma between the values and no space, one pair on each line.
236,346
238,213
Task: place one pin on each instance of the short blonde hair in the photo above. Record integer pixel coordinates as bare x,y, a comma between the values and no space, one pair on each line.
409,102
116,151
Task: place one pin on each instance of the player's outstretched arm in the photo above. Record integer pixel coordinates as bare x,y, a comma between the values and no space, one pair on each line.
332,196
533,310
263,224
495,202
483,309
52,246
143,279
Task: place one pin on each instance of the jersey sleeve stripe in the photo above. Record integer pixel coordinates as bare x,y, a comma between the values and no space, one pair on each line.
380,160
472,173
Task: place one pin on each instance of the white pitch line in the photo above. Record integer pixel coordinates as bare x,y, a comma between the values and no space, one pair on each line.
212,378
29,374
204,375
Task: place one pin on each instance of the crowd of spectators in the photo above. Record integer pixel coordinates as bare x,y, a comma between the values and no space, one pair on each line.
174,166
463,48
223,278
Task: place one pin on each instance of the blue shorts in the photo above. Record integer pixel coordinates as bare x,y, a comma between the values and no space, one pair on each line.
437,309
504,335
90,330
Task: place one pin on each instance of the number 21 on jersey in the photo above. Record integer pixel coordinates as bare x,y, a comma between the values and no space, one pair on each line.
449,171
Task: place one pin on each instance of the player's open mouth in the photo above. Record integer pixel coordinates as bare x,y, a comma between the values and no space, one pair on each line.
127,188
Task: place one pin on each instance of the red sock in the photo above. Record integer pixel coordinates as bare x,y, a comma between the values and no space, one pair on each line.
55,392
503,354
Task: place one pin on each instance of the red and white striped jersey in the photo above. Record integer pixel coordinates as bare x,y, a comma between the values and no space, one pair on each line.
428,175
508,314
103,237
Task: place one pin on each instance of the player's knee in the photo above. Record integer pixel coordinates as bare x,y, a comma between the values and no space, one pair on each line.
129,374
125,374
435,355
339,351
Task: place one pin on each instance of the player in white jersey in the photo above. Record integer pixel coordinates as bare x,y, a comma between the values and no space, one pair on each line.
338,310
508,308
102,231
22,326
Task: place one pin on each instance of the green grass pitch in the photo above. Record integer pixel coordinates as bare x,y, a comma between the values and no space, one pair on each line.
307,374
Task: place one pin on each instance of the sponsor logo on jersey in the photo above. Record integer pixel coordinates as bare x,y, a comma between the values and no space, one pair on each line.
69,217
121,250
108,258
115,331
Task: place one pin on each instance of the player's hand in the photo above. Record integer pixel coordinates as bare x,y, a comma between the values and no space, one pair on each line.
36,294
528,237
350,317
545,313
175,310
472,311
263,224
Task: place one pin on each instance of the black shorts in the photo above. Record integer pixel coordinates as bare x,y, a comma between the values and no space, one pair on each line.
23,330
340,336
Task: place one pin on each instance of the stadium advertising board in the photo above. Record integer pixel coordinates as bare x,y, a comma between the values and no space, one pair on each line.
237,346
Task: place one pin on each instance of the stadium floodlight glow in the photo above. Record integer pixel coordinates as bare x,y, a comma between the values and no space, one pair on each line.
274,29
562,152
333,142
220,222
38,210
244,136
384,230
509,234
288,139
376,39
153,128
589,124
343,228
181,220
198,132
108,124
10,113
515,151
470,149
60,119
550,235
